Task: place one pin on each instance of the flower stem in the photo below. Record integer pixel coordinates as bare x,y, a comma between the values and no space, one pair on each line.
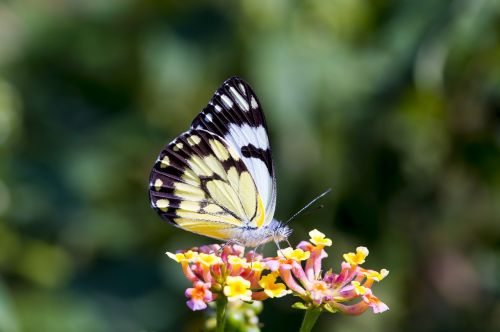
221,313
310,319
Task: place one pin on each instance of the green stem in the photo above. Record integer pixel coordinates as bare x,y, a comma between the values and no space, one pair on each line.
221,312
310,319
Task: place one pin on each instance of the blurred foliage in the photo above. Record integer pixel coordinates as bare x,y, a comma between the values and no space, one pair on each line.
242,317
393,104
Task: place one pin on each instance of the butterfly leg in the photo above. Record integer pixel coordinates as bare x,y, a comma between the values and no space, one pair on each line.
257,249
254,253
222,246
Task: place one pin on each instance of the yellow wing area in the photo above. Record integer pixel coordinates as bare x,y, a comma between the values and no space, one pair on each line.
201,184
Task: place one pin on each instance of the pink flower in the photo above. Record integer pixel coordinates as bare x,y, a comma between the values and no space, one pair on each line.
374,303
301,270
198,296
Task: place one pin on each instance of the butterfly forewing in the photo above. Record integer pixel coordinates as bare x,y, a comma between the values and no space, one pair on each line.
235,114
201,184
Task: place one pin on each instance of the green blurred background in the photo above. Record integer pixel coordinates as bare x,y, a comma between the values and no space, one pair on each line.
395,105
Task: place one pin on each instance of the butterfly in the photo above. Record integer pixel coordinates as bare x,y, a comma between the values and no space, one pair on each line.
217,179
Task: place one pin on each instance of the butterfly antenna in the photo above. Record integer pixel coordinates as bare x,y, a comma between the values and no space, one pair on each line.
279,248
308,205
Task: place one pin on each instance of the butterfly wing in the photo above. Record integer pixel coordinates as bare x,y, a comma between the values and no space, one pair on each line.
235,114
201,184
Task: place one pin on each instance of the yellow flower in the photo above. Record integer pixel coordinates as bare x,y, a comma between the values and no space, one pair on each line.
257,266
176,257
358,257
360,290
237,262
191,255
374,275
319,238
237,288
181,257
297,254
271,288
208,260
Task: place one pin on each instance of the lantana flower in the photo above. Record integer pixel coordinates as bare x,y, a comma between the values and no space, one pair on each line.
198,296
229,275
349,291
237,288
216,271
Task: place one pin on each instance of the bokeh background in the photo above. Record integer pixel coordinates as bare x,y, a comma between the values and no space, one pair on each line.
393,104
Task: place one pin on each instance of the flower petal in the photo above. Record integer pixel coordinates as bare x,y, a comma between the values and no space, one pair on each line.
319,238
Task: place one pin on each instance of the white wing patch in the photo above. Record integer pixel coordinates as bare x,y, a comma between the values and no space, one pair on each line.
254,103
228,102
244,135
239,99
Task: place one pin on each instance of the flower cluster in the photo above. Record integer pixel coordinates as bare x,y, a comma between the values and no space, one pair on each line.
228,272
301,270
216,271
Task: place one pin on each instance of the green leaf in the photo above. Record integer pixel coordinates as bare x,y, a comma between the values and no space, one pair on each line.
299,305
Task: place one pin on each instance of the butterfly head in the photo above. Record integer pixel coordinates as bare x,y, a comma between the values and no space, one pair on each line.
280,231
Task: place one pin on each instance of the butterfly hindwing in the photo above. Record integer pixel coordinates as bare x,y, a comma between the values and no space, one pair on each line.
235,114
201,184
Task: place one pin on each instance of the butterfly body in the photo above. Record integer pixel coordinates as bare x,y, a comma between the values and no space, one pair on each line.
217,179
253,237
